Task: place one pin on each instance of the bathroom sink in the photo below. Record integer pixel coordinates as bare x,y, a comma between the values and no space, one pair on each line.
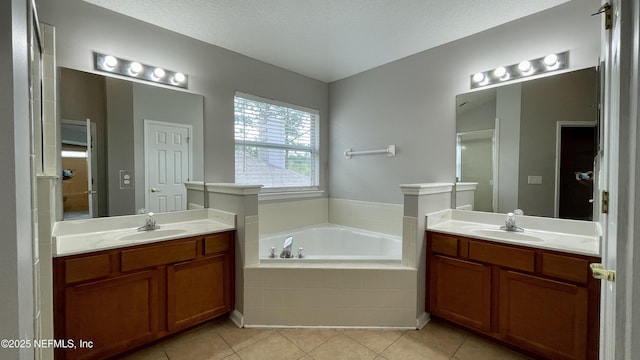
506,235
150,235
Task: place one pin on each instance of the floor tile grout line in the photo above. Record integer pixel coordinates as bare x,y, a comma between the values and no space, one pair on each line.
396,340
291,342
377,353
361,344
453,356
322,343
224,341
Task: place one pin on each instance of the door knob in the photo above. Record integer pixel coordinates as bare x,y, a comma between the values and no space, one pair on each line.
154,190
599,272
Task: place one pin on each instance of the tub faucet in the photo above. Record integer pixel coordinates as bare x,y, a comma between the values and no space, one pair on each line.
286,248
510,223
150,223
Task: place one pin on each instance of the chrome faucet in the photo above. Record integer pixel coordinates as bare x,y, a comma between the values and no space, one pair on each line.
150,223
510,223
286,248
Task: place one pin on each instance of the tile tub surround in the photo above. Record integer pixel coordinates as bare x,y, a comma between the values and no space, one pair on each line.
376,295
283,215
572,236
328,293
346,293
82,236
316,295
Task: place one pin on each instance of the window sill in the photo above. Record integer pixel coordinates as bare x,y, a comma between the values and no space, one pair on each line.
285,195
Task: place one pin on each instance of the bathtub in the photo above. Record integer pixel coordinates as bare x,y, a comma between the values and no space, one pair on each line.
330,243
349,277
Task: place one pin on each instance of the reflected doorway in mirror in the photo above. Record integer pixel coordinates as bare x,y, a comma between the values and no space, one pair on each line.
167,149
476,153
575,152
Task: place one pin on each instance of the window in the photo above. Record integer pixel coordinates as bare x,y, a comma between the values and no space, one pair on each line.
276,144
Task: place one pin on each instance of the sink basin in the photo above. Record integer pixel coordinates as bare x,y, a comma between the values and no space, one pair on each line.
506,235
149,235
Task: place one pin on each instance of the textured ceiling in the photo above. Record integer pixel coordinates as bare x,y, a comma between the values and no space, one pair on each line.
327,39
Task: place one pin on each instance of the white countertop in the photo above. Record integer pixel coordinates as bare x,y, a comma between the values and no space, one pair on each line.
570,236
74,237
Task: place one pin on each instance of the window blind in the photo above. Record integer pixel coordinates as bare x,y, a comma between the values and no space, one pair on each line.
276,144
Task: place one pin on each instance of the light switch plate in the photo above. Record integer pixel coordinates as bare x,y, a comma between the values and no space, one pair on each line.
534,179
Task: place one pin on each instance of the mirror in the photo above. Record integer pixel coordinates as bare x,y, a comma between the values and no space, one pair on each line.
531,145
128,146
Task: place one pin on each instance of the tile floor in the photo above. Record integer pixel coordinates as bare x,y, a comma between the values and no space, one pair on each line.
223,340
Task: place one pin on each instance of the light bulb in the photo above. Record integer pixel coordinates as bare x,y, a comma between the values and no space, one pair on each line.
500,72
524,66
158,73
551,59
178,78
110,61
135,68
478,77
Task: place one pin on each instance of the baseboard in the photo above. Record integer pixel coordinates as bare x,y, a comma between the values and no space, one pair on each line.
422,320
237,318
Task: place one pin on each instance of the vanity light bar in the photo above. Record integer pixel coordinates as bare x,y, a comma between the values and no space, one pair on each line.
549,63
134,69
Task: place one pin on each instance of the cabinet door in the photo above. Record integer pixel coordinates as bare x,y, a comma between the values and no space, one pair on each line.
461,291
116,314
546,316
198,290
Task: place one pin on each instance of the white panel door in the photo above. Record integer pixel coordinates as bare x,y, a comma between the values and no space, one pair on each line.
167,164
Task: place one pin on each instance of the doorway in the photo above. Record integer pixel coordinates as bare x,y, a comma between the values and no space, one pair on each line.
575,173
167,149
476,162
78,169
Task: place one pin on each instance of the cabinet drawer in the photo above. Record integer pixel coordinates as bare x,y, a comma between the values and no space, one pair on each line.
506,256
217,243
565,267
444,244
157,255
86,268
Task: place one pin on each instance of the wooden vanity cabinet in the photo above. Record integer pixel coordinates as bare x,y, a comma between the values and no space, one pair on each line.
123,298
461,291
543,302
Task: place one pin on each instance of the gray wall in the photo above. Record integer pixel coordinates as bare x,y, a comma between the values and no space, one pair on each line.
16,255
411,102
120,149
508,110
476,116
215,73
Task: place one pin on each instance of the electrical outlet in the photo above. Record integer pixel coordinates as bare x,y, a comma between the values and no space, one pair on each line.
126,179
